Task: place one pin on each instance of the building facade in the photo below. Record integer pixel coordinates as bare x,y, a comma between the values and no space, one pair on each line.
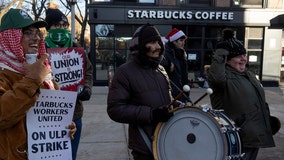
258,23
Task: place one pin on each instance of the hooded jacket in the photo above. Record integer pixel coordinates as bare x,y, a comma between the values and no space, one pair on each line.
138,87
135,91
17,92
179,76
242,98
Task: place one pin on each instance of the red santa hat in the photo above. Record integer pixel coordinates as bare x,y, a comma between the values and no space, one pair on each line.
175,34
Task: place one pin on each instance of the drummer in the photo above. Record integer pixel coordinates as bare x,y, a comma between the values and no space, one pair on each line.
140,91
239,93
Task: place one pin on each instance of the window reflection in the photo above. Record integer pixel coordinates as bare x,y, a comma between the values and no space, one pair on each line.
140,1
254,45
111,50
205,3
101,0
146,1
104,30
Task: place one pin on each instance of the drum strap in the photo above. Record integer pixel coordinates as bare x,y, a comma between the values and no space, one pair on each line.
145,137
187,97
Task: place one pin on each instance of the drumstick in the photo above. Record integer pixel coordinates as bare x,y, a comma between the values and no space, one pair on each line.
185,88
208,92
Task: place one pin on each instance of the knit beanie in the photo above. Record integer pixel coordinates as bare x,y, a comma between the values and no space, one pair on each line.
17,19
230,43
175,34
53,16
144,34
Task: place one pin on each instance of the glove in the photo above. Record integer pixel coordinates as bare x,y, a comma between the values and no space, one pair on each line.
85,94
161,115
220,55
221,52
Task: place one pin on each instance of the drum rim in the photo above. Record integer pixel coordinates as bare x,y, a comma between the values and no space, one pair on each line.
160,124
156,132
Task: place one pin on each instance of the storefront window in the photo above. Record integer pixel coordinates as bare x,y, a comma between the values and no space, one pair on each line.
104,30
146,1
200,46
139,1
121,53
254,45
205,3
111,50
240,3
254,59
101,0
125,1
252,2
104,50
104,58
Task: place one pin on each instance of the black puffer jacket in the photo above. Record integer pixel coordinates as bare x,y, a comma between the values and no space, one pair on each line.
179,76
135,90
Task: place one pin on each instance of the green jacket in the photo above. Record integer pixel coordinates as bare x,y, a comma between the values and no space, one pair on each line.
242,98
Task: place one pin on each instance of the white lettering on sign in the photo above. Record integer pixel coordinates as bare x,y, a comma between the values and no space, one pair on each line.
180,15
214,15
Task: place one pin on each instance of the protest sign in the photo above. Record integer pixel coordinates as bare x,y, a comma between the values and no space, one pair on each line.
47,121
68,67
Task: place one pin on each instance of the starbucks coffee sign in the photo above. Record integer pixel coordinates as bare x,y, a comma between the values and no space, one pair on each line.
180,15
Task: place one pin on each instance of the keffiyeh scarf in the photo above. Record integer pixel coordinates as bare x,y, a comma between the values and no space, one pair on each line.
12,55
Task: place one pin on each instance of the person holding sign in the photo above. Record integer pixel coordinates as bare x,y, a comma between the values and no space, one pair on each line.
20,82
59,37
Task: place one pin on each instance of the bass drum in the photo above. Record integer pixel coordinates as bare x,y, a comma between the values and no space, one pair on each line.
195,133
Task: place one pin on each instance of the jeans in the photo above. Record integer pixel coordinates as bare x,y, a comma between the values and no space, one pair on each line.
77,136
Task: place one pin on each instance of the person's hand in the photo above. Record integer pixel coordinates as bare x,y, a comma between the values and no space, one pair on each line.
38,70
85,94
172,67
161,114
220,55
222,52
73,129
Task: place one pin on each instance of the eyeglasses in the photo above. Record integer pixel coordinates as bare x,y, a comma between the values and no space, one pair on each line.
32,34
59,25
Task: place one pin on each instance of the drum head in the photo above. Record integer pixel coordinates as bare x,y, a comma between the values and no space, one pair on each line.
190,134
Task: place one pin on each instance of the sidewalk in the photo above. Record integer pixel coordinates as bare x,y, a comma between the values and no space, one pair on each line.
104,139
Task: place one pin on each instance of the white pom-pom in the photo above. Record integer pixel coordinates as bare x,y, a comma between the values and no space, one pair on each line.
209,91
186,88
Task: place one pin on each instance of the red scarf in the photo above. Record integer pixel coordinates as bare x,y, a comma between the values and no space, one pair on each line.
12,54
